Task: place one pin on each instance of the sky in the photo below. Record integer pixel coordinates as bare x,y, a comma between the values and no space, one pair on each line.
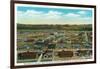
50,15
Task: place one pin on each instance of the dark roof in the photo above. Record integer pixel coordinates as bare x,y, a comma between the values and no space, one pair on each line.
65,54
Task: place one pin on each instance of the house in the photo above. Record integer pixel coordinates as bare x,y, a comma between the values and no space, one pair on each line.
63,54
29,40
27,55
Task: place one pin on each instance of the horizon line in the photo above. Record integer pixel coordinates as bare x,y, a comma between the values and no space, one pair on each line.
53,24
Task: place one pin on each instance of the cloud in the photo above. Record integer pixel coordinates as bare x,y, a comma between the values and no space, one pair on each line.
72,15
29,15
33,13
49,17
40,14
82,12
20,13
53,14
30,12
87,18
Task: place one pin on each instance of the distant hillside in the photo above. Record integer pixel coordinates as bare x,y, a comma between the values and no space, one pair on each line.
85,27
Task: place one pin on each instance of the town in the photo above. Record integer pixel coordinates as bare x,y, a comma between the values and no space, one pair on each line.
42,45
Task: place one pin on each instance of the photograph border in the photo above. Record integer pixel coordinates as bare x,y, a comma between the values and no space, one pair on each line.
12,35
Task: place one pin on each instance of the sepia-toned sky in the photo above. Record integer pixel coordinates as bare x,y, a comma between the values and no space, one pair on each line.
49,15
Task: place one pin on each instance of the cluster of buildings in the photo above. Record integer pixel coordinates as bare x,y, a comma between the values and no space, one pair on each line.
53,45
